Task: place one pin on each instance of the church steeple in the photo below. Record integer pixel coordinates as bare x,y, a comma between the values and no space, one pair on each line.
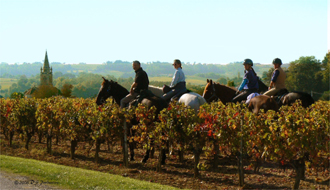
46,63
46,73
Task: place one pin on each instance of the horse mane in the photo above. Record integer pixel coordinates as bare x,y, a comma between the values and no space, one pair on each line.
119,86
230,87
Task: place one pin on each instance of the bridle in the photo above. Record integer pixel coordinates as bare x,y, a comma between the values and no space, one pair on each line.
213,95
107,91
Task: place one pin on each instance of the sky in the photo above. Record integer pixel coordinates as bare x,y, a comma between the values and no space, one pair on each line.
201,31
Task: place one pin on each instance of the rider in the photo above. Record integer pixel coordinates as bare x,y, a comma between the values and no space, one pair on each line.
278,78
249,84
141,82
178,84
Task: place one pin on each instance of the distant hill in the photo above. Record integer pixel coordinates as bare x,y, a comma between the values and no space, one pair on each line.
124,69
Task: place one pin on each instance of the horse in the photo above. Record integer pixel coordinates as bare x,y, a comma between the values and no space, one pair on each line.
262,102
215,91
118,92
191,99
283,97
291,97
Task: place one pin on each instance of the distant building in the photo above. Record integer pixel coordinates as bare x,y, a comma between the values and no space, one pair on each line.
46,79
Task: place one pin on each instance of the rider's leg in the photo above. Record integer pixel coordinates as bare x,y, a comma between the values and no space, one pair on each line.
127,99
271,92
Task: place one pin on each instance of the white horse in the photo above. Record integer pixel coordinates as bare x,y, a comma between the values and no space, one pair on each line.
191,99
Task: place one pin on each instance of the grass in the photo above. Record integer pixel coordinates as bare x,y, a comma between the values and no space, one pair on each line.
73,178
6,82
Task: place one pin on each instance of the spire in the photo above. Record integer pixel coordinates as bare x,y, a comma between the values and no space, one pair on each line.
46,63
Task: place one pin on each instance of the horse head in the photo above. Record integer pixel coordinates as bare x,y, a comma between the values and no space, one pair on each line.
110,88
215,91
209,93
104,92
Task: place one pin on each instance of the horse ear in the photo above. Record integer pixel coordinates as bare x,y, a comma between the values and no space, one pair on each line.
207,80
211,81
104,78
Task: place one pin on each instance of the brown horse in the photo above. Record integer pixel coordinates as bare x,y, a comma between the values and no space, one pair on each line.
282,98
263,102
215,91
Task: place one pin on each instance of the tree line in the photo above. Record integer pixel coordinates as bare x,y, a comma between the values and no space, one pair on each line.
305,74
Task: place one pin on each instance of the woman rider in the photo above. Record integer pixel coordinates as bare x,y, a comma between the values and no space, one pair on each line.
249,84
178,84
278,78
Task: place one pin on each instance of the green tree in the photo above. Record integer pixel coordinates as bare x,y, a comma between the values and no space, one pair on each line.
304,75
66,90
267,76
326,72
16,95
45,91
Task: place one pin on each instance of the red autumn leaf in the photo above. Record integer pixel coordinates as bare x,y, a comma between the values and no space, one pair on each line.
209,133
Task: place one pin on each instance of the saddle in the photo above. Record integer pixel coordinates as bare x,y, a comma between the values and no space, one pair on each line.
279,95
166,89
143,94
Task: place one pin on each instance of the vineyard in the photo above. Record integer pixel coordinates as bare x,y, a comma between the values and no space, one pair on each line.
294,137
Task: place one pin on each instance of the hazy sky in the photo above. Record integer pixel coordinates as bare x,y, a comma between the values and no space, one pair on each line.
206,31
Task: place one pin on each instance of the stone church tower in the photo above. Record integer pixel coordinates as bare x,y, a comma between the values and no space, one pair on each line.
46,73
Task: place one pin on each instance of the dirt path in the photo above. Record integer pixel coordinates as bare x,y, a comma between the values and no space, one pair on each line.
16,181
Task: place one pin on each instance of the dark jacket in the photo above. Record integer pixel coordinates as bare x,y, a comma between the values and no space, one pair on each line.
142,80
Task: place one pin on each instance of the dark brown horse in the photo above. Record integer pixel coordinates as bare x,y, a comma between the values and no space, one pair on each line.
291,97
118,92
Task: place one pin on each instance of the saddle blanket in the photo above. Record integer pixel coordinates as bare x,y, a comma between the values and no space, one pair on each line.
248,99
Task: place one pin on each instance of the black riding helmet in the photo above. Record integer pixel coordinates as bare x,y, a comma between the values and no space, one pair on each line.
277,61
248,62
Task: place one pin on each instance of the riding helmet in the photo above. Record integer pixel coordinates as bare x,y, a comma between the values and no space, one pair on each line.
277,61
248,62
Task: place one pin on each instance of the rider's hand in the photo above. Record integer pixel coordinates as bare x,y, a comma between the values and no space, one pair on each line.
237,92
131,91
269,88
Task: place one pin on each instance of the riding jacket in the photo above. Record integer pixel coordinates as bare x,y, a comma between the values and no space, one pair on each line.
278,78
177,77
250,81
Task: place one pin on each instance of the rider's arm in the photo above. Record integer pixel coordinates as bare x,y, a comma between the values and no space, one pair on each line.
243,84
274,77
132,87
175,79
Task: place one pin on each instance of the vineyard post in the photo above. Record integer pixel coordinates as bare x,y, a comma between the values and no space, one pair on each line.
240,162
125,145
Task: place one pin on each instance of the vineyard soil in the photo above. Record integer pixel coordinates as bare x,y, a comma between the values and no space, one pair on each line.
173,173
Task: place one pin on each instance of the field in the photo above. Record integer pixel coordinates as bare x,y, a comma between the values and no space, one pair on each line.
174,173
7,82
194,80
210,142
